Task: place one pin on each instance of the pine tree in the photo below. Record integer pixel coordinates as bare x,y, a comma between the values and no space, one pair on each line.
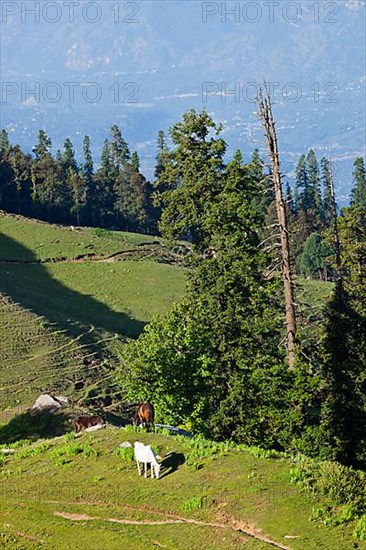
78,187
184,198
302,186
358,195
327,210
205,356
352,234
161,149
88,166
103,203
51,194
315,199
8,191
42,149
344,378
88,174
4,142
135,161
264,196
68,161
132,200
22,170
119,148
316,257
289,199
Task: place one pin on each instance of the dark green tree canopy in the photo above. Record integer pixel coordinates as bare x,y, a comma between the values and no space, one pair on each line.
358,196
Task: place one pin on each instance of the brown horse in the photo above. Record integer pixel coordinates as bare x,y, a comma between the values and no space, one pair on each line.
85,422
145,415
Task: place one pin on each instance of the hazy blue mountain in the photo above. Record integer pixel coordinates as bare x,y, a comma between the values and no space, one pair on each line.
160,64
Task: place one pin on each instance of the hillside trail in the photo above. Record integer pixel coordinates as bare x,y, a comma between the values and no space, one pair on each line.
226,522
142,252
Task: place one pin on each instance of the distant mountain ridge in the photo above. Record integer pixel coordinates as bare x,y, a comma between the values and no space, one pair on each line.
150,61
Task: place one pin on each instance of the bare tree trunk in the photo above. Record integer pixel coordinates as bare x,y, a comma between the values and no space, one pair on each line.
337,242
265,112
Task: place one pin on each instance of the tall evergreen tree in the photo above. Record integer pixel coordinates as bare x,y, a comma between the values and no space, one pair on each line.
88,173
184,199
8,190
327,210
352,234
161,149
358,196
103,203
119,148
344,379
316,257
88,166
135,161
22,170
51,194
302,186
4,142
68,161
42,149
132,200
78,187
205,356
315,198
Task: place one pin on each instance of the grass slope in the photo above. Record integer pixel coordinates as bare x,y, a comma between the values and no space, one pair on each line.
66,493
119,297
79,306
37,356
59,318
41,241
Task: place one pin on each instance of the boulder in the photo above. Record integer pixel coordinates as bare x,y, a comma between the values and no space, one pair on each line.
95,428
125,445
48,403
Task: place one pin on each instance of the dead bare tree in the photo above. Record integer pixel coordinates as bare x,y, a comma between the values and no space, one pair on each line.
337,242
265,113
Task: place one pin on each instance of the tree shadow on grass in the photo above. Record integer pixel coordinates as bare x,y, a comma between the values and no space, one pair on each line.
171,463
32,286
34,426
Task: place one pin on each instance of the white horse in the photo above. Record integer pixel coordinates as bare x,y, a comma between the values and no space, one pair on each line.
145,454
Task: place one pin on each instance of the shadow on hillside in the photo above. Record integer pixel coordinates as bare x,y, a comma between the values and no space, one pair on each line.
171,463
32,286
34,426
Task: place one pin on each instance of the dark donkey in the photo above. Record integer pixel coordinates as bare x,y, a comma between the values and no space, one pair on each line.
145,415
85,422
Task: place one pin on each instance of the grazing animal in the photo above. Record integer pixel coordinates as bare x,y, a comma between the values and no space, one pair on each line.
85,422
145,415
145,454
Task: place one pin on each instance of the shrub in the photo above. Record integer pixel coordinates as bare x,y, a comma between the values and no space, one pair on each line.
132,428
90,452
74,449
360,530
193,503
34,451
341,490
126,453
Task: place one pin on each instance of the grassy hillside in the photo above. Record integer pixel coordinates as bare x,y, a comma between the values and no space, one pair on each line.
68,301
68,493
36,356
49,242
118,298
60,318
76,291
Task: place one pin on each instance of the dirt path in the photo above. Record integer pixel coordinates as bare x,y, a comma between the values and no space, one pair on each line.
228,523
